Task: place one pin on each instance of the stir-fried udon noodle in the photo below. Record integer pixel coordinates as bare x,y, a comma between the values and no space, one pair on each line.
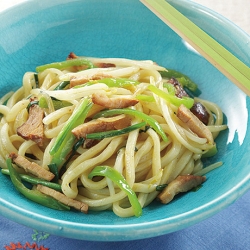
110,131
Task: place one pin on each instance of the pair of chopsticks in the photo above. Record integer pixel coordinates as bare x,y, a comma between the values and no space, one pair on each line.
234,69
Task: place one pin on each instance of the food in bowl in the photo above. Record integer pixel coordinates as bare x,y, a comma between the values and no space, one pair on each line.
107,133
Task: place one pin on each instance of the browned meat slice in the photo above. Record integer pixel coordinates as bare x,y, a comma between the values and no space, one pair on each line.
72,55
113,103
182,183
194,123
200,111
32,129
179,90
32,167
89,143
101,124
105,65
79,81
63,198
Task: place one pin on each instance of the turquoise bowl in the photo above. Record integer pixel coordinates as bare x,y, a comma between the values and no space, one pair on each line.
39,32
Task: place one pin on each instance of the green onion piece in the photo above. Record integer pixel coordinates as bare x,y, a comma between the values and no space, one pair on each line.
160,187
151,121
58,104
36,80
53,169
62,85
33,195
76,119
35,181
184,80
112,133
187,101
65,139
73,152
145,98
121,182
61,154
66,64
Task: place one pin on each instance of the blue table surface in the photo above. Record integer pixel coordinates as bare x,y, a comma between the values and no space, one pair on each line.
229,229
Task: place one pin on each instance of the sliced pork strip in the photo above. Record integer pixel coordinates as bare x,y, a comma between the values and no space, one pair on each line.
182,183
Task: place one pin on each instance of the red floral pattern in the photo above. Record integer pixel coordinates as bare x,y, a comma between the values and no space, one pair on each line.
37,236
27,245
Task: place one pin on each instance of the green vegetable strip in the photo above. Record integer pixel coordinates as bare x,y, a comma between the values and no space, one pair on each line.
187,101
118,82
73,152
151,121
170,87
118,179
36,80
160,187
33,195
76,119
66,64
112,133
60,156
145,98
112,82
184,80
54,169
58,104
62,85
43,103
35,181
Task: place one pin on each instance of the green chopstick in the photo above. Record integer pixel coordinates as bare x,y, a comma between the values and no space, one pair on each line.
234,69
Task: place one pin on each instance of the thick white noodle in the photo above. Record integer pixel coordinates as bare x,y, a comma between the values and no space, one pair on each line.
143,158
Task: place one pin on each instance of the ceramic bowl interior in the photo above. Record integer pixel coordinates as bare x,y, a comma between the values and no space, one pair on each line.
39,32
